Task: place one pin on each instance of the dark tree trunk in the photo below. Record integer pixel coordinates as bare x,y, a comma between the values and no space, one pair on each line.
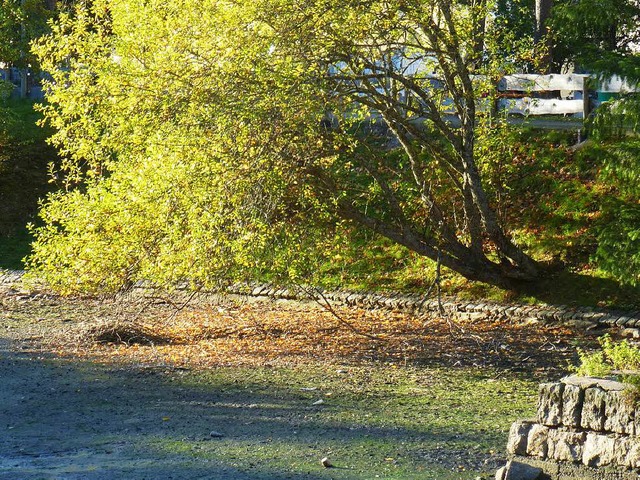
543,11
473,264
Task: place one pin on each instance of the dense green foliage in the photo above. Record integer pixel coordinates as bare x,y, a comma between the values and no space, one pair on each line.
6,114
21,21
201,141
619,236
614,358
598,35
603,36
24,154
585,202
587,35
24,177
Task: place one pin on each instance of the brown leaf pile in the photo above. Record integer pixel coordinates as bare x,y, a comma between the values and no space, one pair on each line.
204,336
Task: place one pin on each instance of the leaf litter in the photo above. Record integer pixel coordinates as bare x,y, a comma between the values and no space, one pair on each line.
348,385
205,334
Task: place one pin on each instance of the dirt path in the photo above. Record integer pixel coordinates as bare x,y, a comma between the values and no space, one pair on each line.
74,414
70,420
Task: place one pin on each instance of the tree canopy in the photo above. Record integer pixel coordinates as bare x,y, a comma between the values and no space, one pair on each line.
215,140
21,21
599,35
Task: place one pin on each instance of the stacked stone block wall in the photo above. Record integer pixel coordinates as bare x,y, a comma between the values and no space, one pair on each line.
585,421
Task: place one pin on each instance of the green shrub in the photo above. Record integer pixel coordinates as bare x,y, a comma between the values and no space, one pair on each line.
618,232
619,242
615,358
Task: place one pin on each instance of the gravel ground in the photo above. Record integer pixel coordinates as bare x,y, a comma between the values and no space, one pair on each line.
74,419
64,420
66,417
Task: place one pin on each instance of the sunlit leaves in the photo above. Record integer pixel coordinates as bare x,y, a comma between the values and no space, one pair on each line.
21,21
214,140
150,117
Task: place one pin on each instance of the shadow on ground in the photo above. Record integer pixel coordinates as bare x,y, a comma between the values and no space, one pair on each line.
573,289
79,420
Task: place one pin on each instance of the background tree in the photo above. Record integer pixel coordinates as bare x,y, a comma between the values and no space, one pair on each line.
22,21
603,37
541,36
543,12
599,35
526,24
208,138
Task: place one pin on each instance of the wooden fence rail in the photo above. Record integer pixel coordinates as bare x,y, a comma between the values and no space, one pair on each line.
558,94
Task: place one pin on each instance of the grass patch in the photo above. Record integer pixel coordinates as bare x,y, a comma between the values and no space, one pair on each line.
13,248
376,264
22,125
374,422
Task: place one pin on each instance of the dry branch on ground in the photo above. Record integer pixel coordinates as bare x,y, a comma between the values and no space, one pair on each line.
205,335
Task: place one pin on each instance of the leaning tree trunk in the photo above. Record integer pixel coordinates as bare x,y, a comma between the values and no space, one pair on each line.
433,202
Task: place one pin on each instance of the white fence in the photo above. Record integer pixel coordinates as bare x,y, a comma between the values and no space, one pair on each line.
557,94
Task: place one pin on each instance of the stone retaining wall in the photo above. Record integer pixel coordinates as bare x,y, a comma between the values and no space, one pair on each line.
584,317
8,277
587,421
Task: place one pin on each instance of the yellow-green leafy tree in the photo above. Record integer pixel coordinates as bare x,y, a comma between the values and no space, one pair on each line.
223,140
